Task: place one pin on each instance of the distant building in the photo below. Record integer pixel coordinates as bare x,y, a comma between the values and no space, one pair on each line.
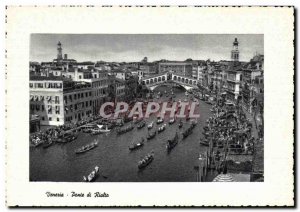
235,53
234,78
176,67
116,89
62,60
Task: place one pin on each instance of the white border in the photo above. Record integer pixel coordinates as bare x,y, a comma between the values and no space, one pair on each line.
277,28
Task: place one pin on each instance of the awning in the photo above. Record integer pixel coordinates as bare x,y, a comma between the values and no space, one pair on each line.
223,178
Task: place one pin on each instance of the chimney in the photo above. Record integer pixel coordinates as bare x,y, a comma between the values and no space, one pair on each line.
65,56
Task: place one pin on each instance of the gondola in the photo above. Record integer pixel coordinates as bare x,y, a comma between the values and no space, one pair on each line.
151,135
86,148
159,121
171,143
162,128
92,176
180,124
136,145
141,125
146,160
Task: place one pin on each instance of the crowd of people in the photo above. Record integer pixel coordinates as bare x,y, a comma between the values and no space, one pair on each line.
229,129
52,133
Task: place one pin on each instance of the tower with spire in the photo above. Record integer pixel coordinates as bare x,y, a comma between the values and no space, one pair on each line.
235,53
59,51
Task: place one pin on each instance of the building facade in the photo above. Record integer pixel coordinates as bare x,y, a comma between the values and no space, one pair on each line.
57,100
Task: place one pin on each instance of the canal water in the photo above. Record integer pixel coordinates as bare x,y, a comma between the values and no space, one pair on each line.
117,163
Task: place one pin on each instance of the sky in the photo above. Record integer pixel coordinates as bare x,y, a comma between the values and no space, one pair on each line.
134,47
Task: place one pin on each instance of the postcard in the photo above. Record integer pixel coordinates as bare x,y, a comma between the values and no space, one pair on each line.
149,106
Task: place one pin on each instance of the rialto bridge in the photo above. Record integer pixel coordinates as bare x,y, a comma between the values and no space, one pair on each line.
154,81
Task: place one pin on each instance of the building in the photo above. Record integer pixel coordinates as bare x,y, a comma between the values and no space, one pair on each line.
131,85
58,100
176,67
35,124
116,89
234,77
235,53
62,60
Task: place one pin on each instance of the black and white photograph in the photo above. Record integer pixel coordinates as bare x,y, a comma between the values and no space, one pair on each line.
146,107
149,106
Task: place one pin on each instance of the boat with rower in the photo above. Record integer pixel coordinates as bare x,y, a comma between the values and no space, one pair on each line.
125,129
161,128
150,125
204,142
47,144
100,130
141,125
146,160
67,137
171,143
180,124
172,121
92,176
86,148
193,123
160,120
187,132
151,135
137,145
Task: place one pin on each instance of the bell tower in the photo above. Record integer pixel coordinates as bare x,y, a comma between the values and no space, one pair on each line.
235,53
59,51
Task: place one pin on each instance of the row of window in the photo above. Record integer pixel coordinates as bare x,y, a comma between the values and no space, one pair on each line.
76,96
49,99
100,83
50,109
120,91
49,118
78,106
79,115
99,92
45,85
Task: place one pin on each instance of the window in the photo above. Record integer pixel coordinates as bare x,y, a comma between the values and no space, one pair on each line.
70,97
31,85
75,96
56,99
81,95
50,119
49,109
79,76
90,93
86,104
43,107
57,110
57,119
43,118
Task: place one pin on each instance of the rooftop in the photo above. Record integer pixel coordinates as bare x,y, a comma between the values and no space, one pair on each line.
49,78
